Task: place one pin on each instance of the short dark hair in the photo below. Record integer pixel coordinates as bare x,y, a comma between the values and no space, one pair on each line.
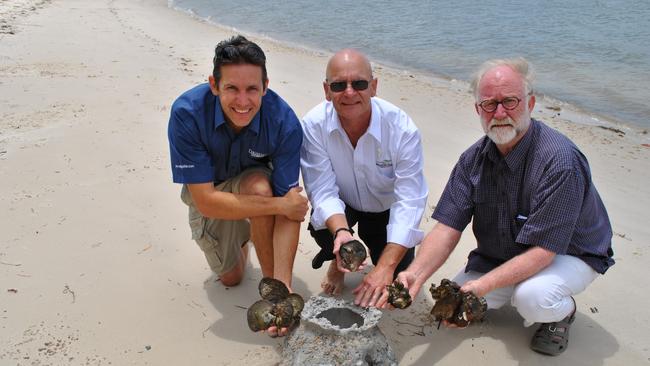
235,51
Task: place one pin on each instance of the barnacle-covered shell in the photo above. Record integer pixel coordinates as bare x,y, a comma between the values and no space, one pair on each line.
448,298
273,290
446,288
454,306
352,254
398,295
298,303
260,316
283,312
471,309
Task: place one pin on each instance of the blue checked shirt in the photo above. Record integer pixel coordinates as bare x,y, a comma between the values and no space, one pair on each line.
540,194
204,149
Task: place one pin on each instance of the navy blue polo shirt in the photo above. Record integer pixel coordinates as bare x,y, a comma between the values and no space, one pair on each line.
204,148
539,194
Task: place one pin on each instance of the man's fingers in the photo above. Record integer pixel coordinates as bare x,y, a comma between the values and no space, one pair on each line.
382,299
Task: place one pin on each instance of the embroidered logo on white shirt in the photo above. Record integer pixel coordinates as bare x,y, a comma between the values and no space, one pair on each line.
384,163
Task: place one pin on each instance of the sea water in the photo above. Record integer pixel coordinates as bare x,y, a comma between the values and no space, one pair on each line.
594,54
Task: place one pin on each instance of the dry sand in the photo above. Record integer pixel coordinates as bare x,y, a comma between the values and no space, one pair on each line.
96,262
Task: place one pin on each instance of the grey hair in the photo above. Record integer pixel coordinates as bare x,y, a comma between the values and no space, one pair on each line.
518,64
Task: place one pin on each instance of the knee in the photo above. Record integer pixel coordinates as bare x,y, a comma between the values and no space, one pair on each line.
256,184
232,277
534,300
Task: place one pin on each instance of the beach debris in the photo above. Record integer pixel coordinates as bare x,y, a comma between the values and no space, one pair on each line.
145,249
11,264
67,290
277,308
352,254
398,295
615,130
454,306
336,332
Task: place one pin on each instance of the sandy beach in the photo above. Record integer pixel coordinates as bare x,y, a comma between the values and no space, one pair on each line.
97,266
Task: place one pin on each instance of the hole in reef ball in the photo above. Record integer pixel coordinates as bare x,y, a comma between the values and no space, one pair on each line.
342,317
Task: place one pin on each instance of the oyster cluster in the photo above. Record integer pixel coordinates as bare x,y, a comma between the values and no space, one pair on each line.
352,254
277,308
398,295
454,306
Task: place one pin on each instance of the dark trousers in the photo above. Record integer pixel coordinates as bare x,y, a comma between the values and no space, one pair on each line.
372,231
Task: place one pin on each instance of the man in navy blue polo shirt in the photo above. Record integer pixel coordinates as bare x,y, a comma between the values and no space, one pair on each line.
542,231
235,147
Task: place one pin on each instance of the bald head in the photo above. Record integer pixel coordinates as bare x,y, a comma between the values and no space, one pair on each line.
348,57
349,85
518,66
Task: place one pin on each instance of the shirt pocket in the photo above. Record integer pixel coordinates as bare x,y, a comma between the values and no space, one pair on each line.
486,216
382,180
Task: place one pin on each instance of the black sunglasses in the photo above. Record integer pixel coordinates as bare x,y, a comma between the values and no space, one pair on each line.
358,85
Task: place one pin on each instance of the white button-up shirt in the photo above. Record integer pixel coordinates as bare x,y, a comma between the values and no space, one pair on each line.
384,171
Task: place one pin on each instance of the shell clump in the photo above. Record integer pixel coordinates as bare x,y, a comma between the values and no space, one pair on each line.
352,254
277,308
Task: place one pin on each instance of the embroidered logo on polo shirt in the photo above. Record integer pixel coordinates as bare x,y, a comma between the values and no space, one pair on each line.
184,166
255,154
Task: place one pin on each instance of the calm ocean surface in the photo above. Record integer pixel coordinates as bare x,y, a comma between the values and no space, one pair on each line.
594,54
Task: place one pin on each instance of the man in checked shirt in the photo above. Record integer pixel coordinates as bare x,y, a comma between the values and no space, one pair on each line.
361,162
542,231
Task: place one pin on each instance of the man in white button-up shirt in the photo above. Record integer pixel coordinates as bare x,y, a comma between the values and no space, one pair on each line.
361,163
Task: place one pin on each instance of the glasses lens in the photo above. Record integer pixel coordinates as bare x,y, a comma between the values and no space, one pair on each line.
338,86
510,103
360,85
488,105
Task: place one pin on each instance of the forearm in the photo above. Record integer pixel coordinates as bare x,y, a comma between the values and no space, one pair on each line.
434,251
336,222
231,206
391,256
285,244
517,269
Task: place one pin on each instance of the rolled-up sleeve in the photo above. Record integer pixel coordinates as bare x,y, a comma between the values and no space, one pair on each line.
411,192
189,157
318,176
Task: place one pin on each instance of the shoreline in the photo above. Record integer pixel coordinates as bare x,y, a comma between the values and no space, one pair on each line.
577,113
96,257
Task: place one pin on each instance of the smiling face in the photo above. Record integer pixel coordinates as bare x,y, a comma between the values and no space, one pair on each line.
504,127
240,91
352,106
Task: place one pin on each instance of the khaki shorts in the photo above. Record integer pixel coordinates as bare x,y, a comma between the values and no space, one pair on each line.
220,240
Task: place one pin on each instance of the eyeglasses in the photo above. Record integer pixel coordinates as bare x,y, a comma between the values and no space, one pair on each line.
358,85
491,105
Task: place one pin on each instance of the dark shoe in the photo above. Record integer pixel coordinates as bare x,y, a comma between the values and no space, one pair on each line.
552,338
318,260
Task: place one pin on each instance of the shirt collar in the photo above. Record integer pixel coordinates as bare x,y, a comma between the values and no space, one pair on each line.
220,119
517,156
374,129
